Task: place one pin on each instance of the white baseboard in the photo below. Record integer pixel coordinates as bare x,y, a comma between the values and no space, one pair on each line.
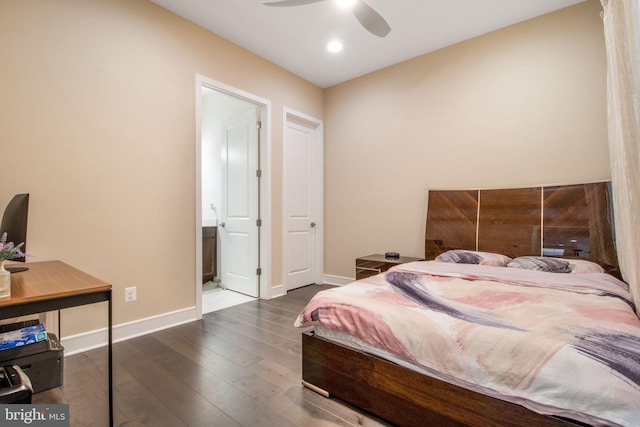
98,338
278,291
337,280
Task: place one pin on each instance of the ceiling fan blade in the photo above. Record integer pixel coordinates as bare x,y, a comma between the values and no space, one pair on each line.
287,3
370,19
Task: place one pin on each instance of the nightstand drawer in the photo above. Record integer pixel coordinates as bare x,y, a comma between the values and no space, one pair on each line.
369,268
371,265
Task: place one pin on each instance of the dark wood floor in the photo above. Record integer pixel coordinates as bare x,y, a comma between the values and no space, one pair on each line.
240,366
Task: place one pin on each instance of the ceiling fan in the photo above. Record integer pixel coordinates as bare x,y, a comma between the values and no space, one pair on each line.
365,14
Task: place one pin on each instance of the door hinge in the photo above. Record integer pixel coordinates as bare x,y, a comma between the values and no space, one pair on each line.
259,173
258,271
258,125
258,222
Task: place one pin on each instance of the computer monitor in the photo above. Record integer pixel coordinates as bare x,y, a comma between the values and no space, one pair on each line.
14,223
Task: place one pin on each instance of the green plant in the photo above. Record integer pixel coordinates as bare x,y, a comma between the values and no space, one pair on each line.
8,250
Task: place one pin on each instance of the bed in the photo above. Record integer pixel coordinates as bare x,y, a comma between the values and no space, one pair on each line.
492,332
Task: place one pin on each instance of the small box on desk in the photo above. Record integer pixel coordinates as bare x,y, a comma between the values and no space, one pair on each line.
42,362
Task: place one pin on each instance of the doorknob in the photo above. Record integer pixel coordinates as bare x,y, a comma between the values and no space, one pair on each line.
222,224
313,224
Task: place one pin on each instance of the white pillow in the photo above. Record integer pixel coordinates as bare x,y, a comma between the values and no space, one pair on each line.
584,266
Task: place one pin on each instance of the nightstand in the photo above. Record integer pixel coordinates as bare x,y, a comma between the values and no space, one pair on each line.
371,265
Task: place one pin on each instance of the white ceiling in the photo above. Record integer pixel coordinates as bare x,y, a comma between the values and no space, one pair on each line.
295,38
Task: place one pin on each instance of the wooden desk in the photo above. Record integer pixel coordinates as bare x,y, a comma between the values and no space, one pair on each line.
54,285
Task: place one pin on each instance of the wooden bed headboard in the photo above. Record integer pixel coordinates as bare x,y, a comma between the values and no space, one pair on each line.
559,221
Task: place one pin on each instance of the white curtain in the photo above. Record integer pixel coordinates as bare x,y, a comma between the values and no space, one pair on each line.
622,37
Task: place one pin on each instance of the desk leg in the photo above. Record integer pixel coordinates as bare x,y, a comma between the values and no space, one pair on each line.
109,345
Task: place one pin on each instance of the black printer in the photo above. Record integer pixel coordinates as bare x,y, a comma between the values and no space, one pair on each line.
15,386
42,362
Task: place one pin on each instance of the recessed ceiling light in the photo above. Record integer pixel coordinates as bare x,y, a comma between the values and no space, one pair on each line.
334,46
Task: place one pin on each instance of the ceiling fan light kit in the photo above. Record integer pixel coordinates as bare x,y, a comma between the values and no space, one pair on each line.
346,3
334,46
371,20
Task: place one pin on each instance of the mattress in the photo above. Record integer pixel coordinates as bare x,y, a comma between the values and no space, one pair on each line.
558,344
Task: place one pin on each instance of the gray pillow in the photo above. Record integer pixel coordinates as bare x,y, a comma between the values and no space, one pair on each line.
551,265
460,257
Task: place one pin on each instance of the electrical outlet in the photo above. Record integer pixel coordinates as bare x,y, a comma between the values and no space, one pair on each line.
130,294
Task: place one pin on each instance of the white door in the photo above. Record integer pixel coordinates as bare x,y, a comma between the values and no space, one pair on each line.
238,229
301,189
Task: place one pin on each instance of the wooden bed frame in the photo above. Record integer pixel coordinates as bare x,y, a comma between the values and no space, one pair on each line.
569,221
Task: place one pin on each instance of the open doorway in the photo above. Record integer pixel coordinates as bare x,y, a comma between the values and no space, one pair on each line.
229,222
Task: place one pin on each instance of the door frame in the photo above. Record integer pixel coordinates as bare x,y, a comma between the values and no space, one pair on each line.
317,175
264,233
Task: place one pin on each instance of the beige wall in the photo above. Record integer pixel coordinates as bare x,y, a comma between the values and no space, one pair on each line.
97,122
521,106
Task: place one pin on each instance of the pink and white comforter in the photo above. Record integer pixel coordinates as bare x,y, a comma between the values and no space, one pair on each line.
560,344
